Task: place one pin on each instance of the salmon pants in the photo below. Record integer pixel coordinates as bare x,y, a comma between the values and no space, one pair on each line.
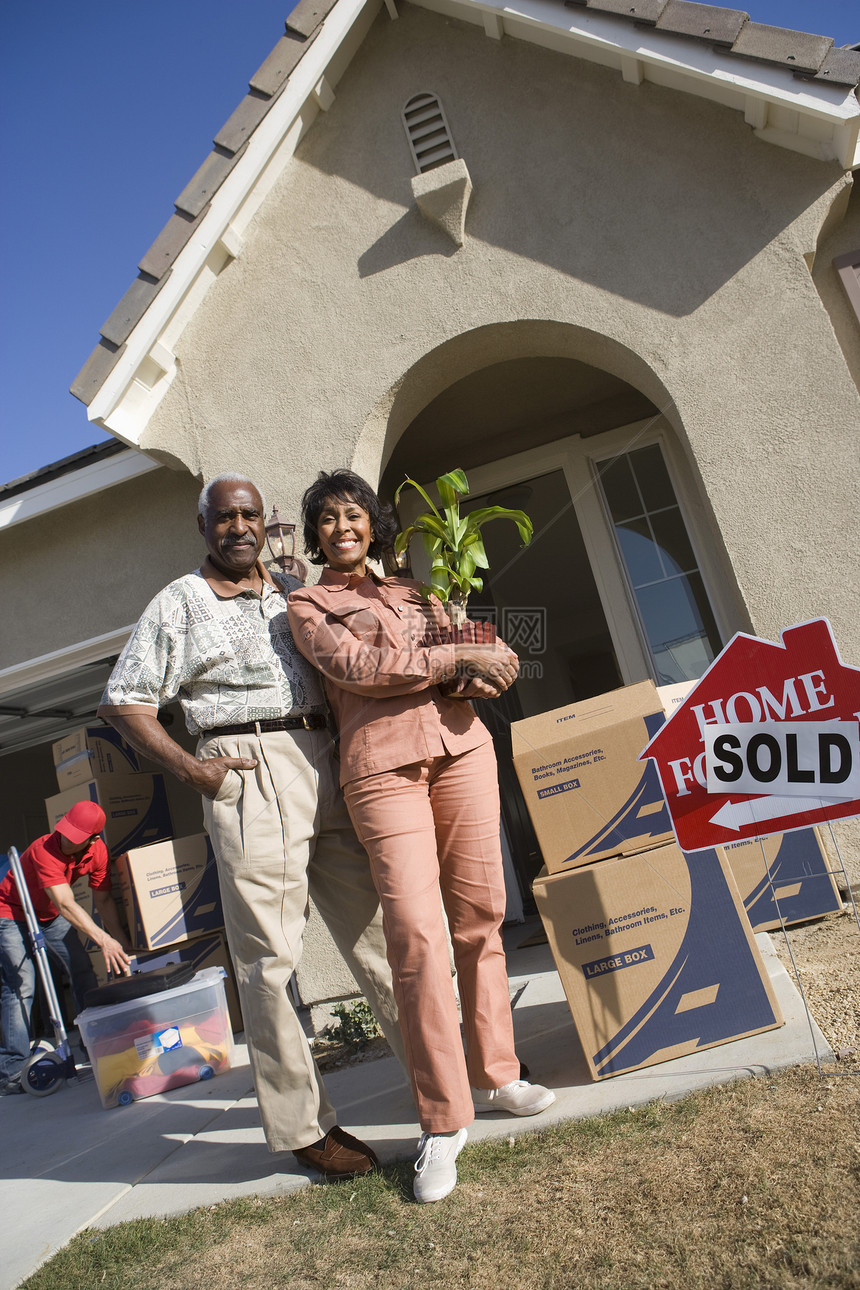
278,832
428,826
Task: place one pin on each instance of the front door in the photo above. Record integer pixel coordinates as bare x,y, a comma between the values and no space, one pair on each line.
610,591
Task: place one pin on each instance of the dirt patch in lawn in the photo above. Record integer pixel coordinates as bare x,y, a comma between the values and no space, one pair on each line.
827,956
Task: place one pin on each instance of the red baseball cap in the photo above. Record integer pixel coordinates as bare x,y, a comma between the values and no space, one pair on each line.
81,822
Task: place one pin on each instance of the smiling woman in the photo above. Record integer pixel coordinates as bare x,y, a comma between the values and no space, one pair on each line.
420,781
345,535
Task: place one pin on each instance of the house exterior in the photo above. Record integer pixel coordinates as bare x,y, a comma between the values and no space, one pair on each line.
602,255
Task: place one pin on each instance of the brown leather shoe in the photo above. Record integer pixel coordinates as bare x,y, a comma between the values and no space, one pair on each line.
340,1156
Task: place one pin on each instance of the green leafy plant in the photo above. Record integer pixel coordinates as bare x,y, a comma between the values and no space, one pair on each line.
356,1024
454,542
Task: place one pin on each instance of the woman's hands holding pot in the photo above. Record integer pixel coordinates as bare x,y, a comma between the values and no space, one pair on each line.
486,671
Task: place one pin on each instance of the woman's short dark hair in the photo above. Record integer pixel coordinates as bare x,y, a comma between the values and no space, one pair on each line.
346,486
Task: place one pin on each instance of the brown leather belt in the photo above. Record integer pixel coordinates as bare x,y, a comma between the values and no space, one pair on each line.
315,721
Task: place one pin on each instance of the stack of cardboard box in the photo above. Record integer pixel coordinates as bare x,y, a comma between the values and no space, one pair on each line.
167,888
96,763
653,946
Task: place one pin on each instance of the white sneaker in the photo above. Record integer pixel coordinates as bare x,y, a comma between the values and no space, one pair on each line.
436,1166
519,1097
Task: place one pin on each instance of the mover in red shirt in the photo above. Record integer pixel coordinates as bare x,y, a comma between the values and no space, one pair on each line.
50,866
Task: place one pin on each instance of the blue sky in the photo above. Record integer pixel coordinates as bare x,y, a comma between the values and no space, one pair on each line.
108,108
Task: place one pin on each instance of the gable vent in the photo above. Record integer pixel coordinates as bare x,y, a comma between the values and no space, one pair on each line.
427,130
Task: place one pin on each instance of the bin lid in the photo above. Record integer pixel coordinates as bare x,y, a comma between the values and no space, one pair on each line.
202,980
139,984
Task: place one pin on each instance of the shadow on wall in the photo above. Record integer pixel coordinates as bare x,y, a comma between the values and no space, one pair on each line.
650,194
409,238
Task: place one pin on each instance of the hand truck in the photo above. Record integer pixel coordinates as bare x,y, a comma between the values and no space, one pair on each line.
43,1072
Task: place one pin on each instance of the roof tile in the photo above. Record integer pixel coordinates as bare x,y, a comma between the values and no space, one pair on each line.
799,50
707,21
308,14
170,241
205,184
239,127
132,307
96,370
272,73
639,10
840,67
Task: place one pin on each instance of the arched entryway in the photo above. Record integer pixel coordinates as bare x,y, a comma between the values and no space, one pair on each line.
620,582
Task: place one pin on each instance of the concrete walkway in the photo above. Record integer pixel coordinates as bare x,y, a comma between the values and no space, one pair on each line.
68,1164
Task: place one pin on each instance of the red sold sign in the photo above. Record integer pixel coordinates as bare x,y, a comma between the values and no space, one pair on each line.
768,741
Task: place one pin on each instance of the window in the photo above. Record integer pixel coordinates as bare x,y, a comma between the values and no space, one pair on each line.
660,564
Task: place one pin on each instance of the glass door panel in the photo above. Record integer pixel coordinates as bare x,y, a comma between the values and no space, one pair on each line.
657,554
545,603
544,599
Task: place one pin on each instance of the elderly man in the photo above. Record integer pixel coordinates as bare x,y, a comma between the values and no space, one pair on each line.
219,640
50,865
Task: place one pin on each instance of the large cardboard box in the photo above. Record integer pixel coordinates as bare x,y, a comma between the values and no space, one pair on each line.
135,806
656,957
587,794
91,752
206,951
800,885
171,892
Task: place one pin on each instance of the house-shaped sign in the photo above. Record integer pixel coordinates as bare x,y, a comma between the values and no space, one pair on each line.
767,741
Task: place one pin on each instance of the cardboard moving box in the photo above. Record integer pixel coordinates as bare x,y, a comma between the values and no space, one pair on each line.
803,887
587,794
656,957
171,892
135,806
90,752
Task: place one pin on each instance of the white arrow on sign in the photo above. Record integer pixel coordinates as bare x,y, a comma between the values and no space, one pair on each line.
737,815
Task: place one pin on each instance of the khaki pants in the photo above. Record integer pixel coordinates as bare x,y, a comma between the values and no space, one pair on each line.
279,831
430,826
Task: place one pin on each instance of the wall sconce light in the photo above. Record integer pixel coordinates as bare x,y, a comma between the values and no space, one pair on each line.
281,539
396,563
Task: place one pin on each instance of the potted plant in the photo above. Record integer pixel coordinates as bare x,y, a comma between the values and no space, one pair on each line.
455,547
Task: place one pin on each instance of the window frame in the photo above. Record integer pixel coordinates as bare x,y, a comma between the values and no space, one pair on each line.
651,437
579,460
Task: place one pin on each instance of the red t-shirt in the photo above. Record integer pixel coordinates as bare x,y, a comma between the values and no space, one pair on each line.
44,865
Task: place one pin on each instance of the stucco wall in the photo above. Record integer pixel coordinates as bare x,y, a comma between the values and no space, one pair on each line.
843,239
90,567
635,214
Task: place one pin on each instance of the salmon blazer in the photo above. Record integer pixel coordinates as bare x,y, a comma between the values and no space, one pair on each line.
379,647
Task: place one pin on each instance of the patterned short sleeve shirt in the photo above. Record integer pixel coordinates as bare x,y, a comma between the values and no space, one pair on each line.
228,659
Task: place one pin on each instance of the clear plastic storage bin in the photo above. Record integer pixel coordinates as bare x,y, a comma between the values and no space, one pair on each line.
159,1041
